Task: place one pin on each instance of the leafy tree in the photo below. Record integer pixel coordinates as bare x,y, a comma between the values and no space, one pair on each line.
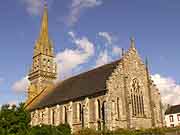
13,119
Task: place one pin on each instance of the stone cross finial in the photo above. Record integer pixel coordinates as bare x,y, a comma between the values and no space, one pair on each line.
45,4
122,52
132,42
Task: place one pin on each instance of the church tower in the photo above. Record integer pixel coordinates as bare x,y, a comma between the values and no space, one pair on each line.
43,70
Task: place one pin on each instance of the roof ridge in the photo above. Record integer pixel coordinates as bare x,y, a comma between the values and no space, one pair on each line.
119,60
175,105
84,84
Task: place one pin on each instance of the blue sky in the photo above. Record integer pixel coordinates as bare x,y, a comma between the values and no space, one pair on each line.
88,33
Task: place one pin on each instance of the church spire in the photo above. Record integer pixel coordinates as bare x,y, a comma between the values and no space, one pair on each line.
44,24
44,44
43,70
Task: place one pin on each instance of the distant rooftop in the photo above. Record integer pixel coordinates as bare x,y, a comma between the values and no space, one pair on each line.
173,109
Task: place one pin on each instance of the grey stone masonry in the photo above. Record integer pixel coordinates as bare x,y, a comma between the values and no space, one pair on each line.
131,100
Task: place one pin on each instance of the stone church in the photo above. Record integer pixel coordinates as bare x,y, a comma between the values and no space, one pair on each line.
120,94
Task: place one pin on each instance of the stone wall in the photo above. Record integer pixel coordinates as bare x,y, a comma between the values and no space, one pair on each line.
82,113
120,86
130,102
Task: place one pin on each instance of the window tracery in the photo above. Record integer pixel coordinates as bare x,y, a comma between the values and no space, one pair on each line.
137,99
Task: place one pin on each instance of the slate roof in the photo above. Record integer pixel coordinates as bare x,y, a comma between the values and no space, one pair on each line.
173,109
83,85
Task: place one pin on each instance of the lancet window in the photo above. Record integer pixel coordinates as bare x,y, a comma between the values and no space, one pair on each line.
137,99
65,114
53,116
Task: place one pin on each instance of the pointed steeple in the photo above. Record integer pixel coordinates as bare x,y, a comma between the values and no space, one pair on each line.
132,42
44,44
43,70
44,24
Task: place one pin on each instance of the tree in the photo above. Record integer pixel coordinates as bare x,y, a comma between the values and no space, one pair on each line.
14,119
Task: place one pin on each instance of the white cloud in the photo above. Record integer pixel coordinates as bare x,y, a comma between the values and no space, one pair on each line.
70,59
103,58
21,85
107,36
77,6
170,90
33,7
117,50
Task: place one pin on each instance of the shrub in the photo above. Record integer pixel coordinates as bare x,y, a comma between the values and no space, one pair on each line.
64,129
87,131
40,130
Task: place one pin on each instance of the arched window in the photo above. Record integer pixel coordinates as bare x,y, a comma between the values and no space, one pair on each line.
142,102
53,117
135,105
118,110
99,114
82,116
104,114
141,107
138,104
132,102
99,109
42,117
137,100
80,112
65,114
